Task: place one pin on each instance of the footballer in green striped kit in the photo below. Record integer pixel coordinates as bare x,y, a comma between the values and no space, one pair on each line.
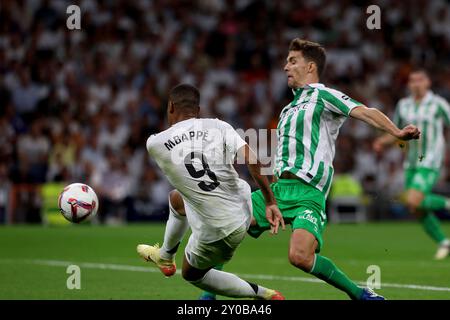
424,157
307,131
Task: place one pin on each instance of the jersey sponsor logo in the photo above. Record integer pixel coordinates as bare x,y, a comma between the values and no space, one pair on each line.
323,216
294,109
307,215
304,104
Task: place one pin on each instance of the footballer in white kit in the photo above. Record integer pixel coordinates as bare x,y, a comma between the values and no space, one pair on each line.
197,156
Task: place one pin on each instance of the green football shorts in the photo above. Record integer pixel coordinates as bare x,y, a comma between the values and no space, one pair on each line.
301,205
421,179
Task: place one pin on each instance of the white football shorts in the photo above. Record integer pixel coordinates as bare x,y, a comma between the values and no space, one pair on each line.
206,255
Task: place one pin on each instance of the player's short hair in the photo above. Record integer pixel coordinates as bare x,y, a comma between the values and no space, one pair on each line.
312,51
185,97
420,70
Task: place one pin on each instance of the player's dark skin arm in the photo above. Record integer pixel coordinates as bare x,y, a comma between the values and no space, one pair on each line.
273,214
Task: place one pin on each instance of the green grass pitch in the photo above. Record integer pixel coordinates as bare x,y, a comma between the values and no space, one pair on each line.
34,259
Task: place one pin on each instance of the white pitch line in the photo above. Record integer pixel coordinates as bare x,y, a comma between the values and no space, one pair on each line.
121,267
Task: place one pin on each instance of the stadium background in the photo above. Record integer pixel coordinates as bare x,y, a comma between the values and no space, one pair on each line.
78,106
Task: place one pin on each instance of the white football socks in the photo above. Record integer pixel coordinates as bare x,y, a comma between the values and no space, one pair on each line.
176,228
230,285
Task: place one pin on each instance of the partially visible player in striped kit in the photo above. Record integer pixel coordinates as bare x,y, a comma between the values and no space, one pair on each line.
424,157
307,132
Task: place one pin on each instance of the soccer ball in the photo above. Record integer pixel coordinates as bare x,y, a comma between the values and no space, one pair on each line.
78,202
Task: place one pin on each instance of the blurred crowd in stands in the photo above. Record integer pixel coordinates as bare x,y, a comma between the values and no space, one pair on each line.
78,105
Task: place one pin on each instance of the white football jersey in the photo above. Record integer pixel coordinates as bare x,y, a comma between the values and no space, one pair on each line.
197,157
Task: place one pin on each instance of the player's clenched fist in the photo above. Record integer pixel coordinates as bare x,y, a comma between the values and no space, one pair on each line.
409,132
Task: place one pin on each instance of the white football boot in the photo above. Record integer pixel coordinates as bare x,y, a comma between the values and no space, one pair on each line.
443,250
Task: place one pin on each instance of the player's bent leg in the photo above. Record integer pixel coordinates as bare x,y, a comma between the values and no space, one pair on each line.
302,246
226,284
416,201
302,254
201,257
190,273
206,295
176,226
423,181
435,202
413,200
432,227
176,201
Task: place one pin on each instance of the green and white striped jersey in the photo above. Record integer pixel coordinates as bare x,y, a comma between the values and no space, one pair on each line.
307,132
430,116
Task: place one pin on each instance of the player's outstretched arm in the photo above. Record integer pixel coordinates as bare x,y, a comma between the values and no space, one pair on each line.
273,214
379,120
386,140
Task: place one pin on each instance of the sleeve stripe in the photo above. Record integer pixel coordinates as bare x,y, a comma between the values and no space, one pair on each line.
331,107
343,108
357,103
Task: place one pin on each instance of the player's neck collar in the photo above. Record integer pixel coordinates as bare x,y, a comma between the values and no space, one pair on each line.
307,86
314,85
426,98
184,120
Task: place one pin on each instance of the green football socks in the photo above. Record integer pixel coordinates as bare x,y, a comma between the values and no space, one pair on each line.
323,269
432,227
327,271
433,202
